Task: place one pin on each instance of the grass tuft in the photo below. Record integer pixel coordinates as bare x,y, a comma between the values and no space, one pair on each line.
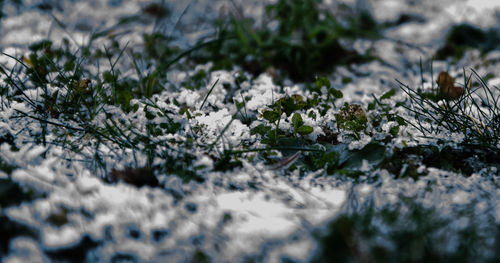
475,114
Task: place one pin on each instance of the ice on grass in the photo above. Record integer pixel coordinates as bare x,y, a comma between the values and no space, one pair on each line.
214,125
190,97
246,211
263,93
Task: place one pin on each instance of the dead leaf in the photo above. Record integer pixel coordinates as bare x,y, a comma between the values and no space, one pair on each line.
54,113
135,176
447,86
329,136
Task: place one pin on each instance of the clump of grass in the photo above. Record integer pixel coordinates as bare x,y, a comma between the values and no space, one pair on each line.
85,112
404,232
476,114
465,36
305,42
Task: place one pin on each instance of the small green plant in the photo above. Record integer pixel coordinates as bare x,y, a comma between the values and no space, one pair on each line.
352,117
288,105
331,96
385,112
298,125
305,42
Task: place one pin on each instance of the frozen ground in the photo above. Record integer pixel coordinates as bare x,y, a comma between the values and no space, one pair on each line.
251,213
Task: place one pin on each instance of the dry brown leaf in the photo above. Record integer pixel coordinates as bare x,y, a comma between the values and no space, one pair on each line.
447,86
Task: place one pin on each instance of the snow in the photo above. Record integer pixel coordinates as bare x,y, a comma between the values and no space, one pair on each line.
25,250
276,216
262,93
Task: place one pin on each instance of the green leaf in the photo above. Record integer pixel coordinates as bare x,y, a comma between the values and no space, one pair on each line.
149,115
346,80
54,95
174,127
271,115
394,130
287,105
151,81
40,45
400,120
291,143
69,66
124,98
371,106
312,115
135,107
297,121
388,94
329,159
304,130
107,77
272,136
322,82
336,93
260,129
374,153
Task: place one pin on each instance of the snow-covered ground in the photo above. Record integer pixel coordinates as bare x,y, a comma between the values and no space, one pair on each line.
252,213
